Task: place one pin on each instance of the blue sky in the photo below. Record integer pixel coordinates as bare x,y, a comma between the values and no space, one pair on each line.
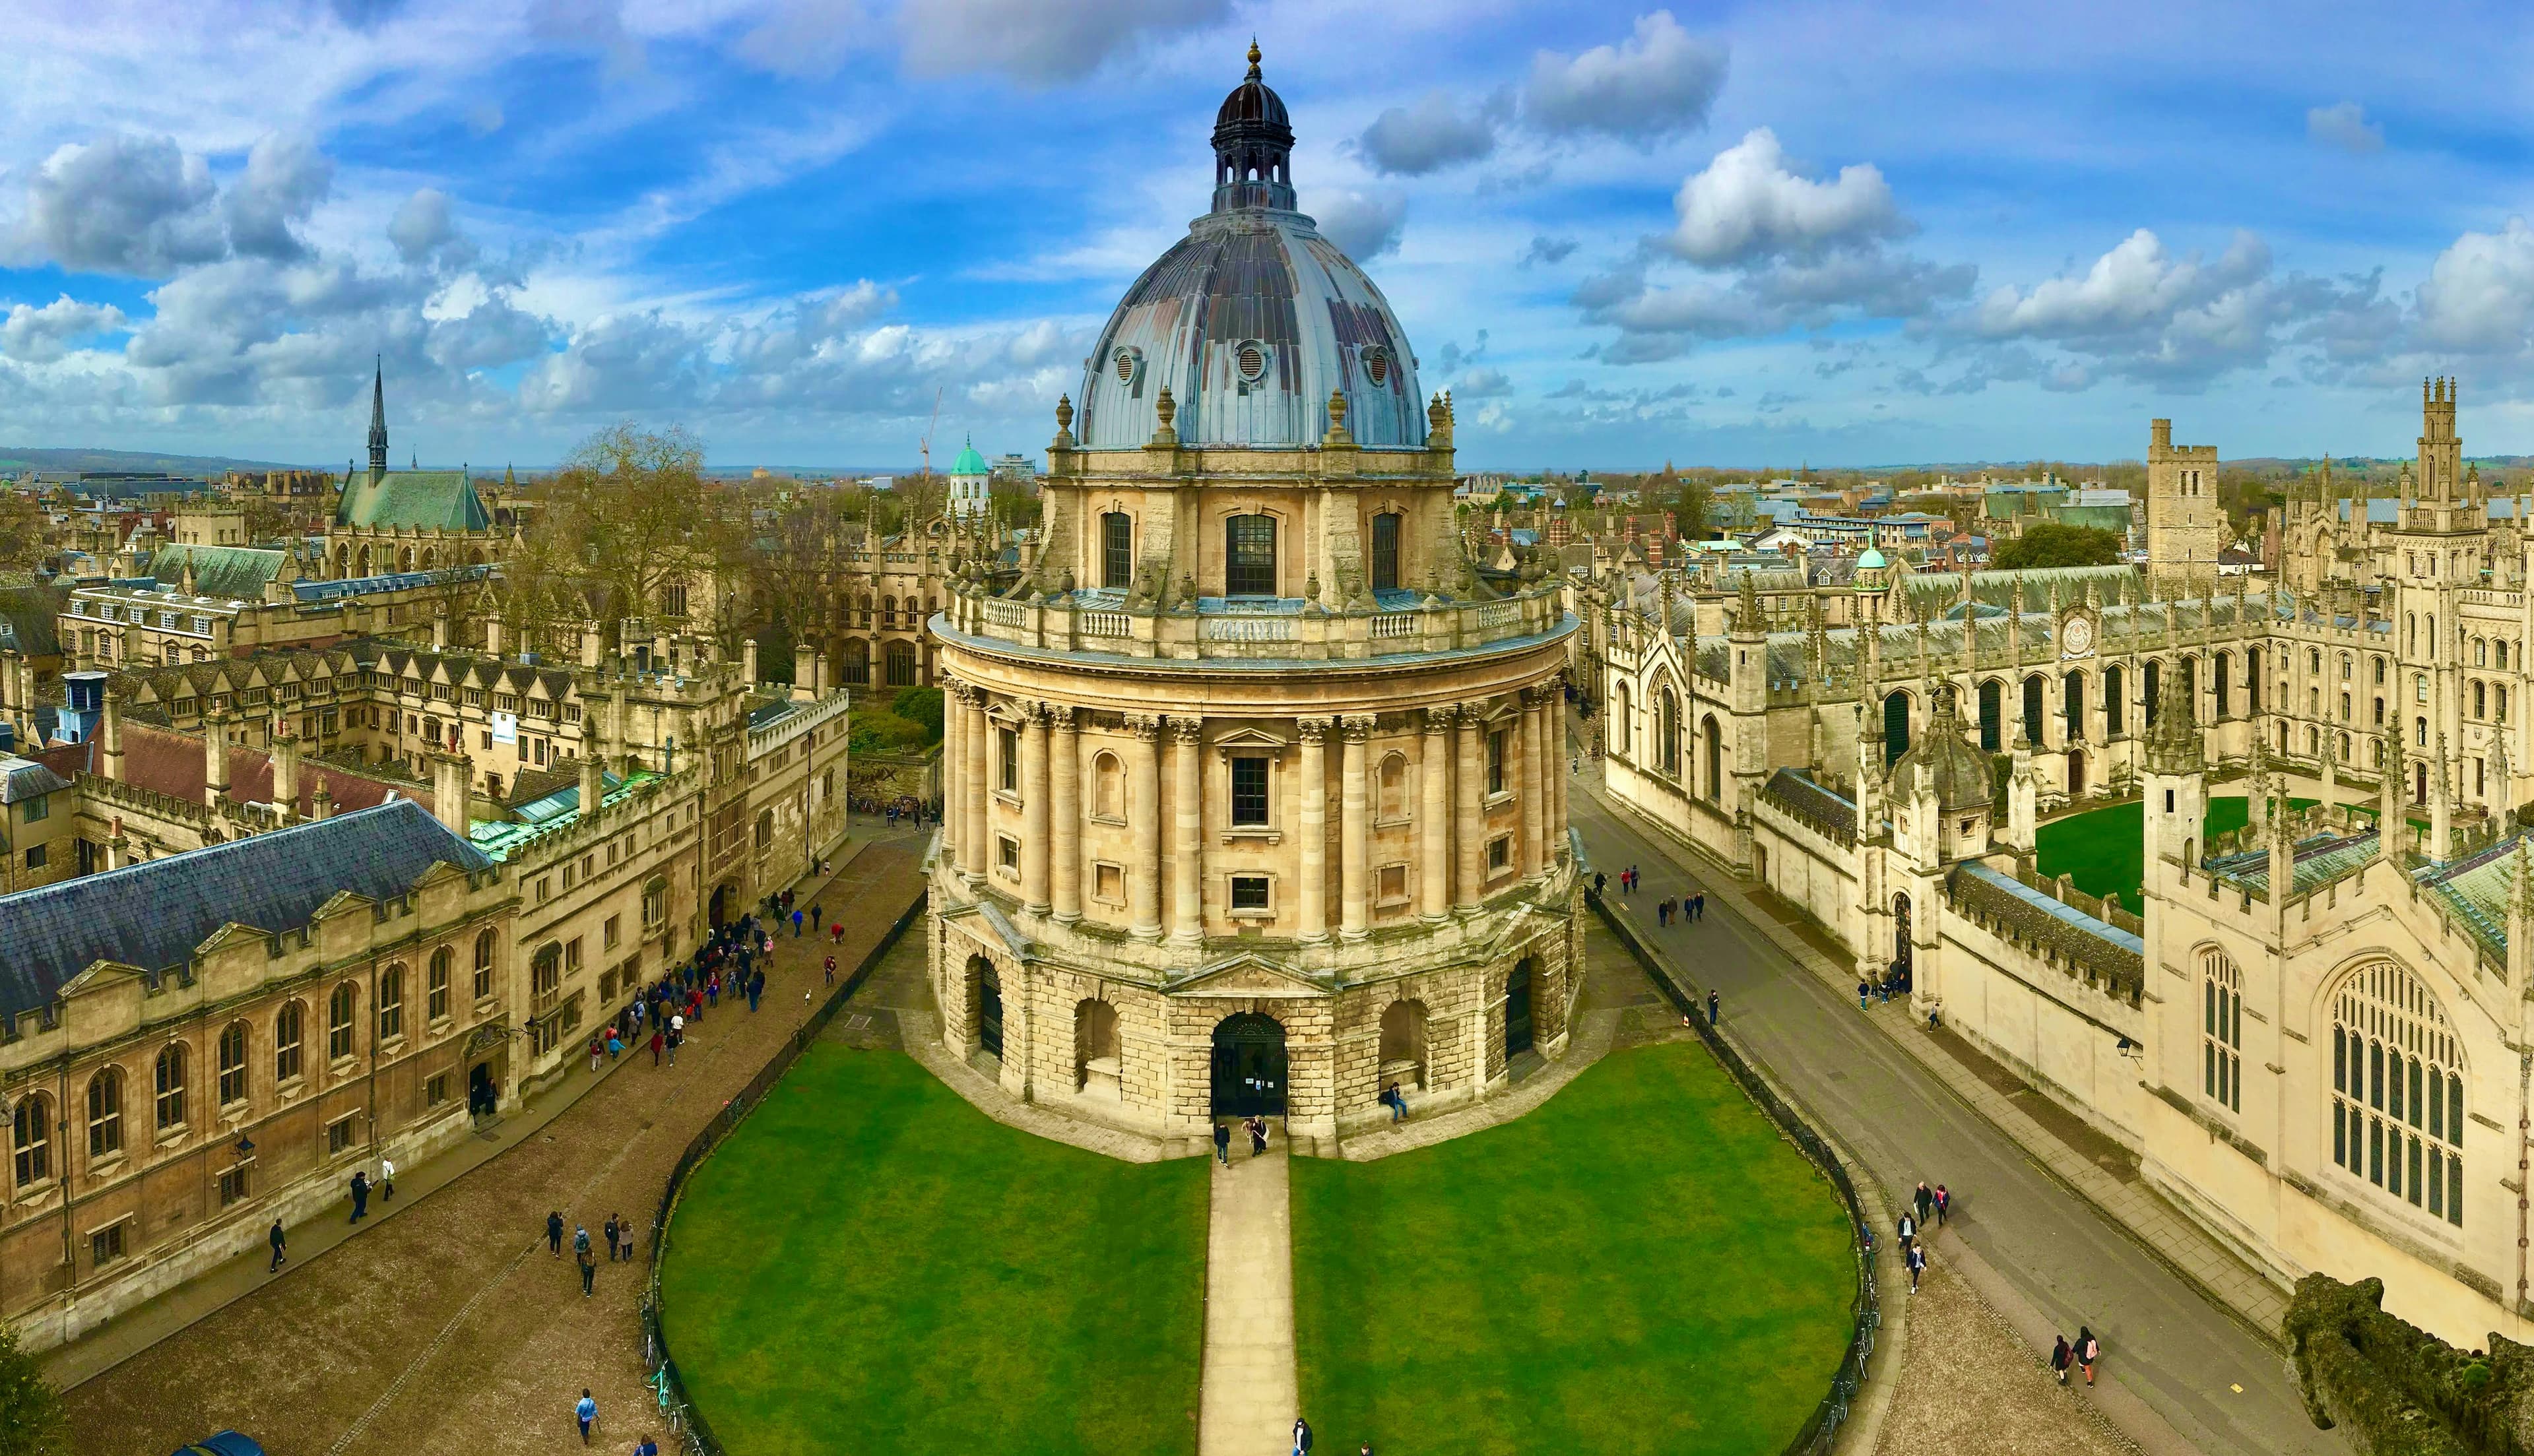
1726,234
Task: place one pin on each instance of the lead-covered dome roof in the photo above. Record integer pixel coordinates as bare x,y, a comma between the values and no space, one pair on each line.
1253,318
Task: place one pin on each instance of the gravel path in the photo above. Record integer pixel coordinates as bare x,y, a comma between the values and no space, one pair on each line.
1969,1387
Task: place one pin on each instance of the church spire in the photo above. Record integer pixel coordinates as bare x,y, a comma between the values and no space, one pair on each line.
379,422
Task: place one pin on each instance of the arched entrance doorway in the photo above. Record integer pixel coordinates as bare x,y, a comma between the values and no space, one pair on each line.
1248,1065
989,1005
1900,956
1518,1009
2075,774
718,911
483,1099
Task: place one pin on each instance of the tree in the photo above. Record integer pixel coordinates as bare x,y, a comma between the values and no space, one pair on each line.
632,513
21,530
31,1423
2051,543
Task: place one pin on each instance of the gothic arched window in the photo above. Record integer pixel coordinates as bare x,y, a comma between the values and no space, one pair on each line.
2398,1089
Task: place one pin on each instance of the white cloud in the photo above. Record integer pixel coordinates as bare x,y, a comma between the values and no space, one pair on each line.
1434,134
1660,80
1364,225
33,335
2345,125
2133,286
2479,296
1482,383
121,205
285,178
803,37
1037,43
1749,204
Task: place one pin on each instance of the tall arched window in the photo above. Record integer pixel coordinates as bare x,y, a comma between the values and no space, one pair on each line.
2032,693
2224,674
2153,682
105,1113
1896,727
2115,703
2480,701
1621,720
1385,552
435,985
2072,690
288,1026
1108,787
2398,1089
1715,737
168,1081
391,1003
1116,550
2253,679
2221,1031
857,662
484,965
1249,556
31,1138
1667,731
338,1021
232,1064
1992,713
899,658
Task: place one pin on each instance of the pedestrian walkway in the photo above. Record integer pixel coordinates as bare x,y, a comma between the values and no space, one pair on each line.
1251,1391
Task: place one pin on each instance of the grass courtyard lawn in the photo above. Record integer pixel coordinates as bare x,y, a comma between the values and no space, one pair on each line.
1640,1264
871,1264
2104,851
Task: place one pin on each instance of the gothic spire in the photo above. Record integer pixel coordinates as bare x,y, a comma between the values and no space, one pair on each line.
379,421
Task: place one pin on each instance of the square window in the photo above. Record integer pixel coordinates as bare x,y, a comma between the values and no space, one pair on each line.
105,1245
1391,883
1008,851
1249,791
232,1187
1248,892
1109,883
36,856
1499,852
612,932
435,1091
338,1135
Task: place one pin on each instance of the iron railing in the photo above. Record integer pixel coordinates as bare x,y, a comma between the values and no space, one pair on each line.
1820,1430
690,1431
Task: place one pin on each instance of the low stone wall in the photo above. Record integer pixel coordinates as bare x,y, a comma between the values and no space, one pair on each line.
2396,1390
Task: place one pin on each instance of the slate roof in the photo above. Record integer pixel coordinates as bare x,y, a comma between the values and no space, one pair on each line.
29,618
237,572
25,779
418,500
1811,803
2104,954
155,913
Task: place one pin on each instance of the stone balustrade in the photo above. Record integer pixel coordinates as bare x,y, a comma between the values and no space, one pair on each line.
1285,630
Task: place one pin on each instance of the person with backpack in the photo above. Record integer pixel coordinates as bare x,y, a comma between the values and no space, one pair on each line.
2088,1352
2060,1356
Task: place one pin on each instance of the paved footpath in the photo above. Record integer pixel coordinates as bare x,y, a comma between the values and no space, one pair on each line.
1251,1391
1882,1088
449,1327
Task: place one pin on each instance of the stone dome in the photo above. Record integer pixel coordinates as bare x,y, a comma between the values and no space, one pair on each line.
1253,319
1959,771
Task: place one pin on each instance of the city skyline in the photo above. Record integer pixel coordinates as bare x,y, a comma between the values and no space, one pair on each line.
1618,234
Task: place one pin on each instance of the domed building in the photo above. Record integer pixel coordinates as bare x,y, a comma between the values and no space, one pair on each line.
1255,798
970,477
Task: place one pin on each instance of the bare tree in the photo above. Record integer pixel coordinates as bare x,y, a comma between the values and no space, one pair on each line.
633,515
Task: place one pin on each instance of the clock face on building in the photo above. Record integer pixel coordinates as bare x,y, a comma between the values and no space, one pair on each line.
2077,637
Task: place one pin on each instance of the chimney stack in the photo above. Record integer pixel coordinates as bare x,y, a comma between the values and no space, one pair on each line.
110,751
215,758
285,770
452,791
321,804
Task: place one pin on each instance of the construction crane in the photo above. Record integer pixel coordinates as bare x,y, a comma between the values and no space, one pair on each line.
926,446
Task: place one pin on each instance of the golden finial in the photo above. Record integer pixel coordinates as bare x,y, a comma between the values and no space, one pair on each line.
1253,58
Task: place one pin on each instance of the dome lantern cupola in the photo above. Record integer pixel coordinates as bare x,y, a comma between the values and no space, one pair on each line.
1253,148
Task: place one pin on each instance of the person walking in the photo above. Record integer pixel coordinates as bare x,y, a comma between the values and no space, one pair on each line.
796,924
1223,1141
1907,1228
831,971
610,1229
1702,906
2060,1357
360,1194
554,1231
1944,1204
646,1448
657,1041
585,1411
818,913
386,1180
1598,880
588,1269
1301,1436
1917,1263
1715,1009
676,1037
597,1049
1257,1134
2088,1352
1863,990
1662,911
278,1241
1925,1202
579,1239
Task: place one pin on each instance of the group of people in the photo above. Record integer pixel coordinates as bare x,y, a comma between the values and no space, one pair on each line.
1894,981
585,1412
620,1245
2082,1353
1254,1125
1303,1439
1925,1203
1688,907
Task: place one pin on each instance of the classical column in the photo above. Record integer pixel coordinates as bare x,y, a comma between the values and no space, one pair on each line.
1560,776
1528,857
1312,895
1187,817
1144,818
1065,766
1469,834
954,749
1034,818
1435,813
1355,841
973,793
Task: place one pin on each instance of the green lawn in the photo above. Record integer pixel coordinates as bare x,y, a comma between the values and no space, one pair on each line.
1641,1264
2104,851
870,1264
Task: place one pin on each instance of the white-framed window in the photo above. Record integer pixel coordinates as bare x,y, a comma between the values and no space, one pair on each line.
1252,894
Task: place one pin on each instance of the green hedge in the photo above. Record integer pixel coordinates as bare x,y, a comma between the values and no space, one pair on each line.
2400,1390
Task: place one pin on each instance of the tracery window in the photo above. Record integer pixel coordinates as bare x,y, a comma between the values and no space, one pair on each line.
2397,1090
2221,1031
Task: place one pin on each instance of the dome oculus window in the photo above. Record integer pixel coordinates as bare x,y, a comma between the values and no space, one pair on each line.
1128,362
1249,359
1376,364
